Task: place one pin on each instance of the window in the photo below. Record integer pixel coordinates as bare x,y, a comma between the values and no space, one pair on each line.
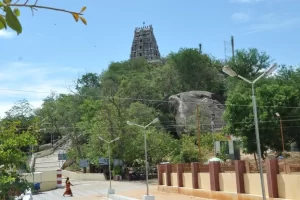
140,54
140,47
141,40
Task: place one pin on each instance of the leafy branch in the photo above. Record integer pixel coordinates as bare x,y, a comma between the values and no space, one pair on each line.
10,17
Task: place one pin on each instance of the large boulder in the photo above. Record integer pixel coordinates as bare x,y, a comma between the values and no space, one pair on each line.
184,107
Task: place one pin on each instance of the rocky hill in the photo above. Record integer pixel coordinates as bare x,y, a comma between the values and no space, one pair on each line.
184,107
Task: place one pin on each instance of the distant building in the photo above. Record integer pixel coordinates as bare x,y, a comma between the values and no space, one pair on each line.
144,44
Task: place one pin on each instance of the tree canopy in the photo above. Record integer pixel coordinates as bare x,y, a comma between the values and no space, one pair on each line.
138,91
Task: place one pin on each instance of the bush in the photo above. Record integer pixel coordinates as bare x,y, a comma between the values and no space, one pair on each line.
117,171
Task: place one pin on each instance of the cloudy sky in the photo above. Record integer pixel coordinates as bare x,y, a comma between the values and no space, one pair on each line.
53,50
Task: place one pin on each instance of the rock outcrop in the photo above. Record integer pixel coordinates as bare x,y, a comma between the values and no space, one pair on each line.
184,108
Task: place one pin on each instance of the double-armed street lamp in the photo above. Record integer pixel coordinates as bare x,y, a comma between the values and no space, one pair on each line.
232,73
145,197
110,190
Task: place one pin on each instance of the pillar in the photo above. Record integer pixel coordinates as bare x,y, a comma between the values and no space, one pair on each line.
180,170
159,174
195,170
214,170
247,166
168,174
272,170
59,178
240,170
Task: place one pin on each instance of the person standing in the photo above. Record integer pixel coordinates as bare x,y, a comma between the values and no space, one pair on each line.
68,188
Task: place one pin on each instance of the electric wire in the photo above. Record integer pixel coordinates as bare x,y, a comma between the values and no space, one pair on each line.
157,100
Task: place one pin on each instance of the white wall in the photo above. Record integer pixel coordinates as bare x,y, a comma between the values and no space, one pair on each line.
84,176
47,179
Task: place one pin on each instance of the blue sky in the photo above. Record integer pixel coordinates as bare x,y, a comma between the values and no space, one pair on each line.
54,50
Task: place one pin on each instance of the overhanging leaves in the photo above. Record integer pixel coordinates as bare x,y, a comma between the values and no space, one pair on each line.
76,16
83,20
2,23
83,9
17,12
12,20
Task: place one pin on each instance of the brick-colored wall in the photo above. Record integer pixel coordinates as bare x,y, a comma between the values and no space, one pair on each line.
216,181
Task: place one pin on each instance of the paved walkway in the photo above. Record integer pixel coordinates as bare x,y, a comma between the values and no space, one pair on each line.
50,162
158,195
97,190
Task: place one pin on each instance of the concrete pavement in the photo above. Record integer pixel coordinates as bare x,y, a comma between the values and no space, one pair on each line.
88,190
50,162
97,190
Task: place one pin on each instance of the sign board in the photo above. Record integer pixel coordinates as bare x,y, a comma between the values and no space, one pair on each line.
231,148
103,161
118,162
62,156
83,163
218,146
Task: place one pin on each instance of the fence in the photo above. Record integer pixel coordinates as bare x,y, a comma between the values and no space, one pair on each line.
236,180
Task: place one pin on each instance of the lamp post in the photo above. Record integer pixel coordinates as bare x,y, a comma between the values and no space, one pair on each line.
282,139
145,197
232,73
110,190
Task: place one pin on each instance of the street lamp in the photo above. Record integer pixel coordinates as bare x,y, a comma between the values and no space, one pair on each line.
282,139
232,73
110,191
145,197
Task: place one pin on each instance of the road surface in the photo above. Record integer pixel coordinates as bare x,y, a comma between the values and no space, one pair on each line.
90,190
97,190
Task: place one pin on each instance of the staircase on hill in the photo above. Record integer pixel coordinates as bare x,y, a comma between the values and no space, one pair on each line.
50,162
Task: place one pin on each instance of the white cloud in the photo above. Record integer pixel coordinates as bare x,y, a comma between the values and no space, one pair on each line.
34,82
245,1
271,26
271,21
240,17
7,34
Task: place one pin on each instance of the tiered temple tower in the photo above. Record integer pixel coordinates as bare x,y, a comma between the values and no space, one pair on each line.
144,44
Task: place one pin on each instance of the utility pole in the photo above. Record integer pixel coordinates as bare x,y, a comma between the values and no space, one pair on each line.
282,139
213,128
200,48
232,47
198,125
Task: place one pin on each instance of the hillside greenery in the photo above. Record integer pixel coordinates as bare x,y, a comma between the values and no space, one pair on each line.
138,91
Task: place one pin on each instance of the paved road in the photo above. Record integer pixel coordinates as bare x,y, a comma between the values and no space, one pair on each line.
90,190
97,190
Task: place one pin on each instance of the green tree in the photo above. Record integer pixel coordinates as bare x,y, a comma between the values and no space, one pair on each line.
290,76
10,11
249,63
196,71
89,85
187,150
271,98
23,113
13,159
